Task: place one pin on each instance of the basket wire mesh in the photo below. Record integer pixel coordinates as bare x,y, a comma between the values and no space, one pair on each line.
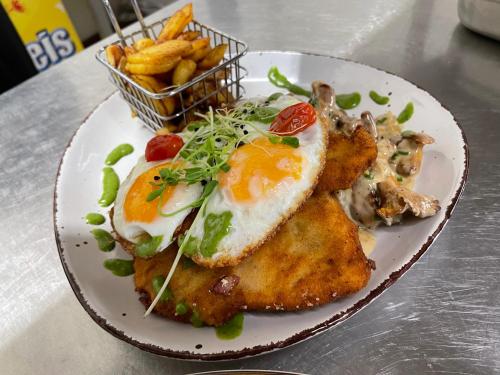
214,87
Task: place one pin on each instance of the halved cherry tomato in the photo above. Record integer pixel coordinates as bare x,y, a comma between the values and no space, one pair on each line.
293,119
163,147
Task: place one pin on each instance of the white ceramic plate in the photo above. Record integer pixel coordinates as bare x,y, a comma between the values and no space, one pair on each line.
112,302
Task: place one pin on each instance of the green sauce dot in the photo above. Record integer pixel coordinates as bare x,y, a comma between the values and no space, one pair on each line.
406,113
158,282
181,308
231,329
348,101
379,99
196,320
94,218
118,153
110,185
120,267
104,239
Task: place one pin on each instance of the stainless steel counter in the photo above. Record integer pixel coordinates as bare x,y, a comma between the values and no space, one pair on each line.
443,316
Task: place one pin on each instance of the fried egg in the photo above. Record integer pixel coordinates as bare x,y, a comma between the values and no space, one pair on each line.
265,185
134,216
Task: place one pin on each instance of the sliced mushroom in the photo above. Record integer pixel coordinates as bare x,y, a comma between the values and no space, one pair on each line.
364,202
410,153
420,138
396,200
369,123
323,96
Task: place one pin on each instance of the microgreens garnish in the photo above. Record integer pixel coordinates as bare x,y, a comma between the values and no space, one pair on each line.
210,142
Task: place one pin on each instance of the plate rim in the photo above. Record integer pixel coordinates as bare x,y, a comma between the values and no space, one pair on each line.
297,337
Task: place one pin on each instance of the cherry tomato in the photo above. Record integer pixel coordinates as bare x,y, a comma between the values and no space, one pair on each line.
163,147
293,119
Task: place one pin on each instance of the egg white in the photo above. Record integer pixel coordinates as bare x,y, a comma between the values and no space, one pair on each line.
253,222
165,226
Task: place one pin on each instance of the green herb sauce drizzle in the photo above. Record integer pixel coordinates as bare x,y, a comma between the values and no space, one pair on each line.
120,267
94,218
118,153
406,113
379,99
157,284
104,239
110,185
231,329
147,246
279,80
216,227
348,101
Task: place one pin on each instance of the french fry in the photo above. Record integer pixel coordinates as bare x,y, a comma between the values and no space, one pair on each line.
183,72
143,43
149,69
156,85
159,52
214,57
129,51
114,53
199,44
200,54
152,82
158,104
176,23
189,35
122,63
169,103
163,131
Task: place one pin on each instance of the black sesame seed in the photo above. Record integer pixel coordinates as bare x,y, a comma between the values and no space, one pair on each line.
218,139
85,243
199,346
124,314
156,178
77,245
245,132
203,182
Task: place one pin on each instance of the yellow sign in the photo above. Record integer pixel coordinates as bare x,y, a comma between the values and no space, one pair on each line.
45,29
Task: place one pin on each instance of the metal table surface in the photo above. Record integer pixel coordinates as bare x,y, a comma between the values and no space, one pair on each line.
443,316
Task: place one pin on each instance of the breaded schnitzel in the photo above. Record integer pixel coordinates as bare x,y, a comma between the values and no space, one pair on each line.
313,259
346,158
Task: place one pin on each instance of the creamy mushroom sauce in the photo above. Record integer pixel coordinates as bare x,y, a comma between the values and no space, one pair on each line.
394,150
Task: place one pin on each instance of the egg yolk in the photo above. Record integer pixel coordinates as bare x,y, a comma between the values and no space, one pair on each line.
257,167
136,206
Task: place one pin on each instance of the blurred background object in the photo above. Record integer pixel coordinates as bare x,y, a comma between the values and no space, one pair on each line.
482,16
15,63
38,34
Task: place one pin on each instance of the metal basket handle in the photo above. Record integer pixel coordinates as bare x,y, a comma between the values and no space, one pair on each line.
116,25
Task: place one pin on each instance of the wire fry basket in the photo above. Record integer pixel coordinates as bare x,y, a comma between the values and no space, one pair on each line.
214,87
